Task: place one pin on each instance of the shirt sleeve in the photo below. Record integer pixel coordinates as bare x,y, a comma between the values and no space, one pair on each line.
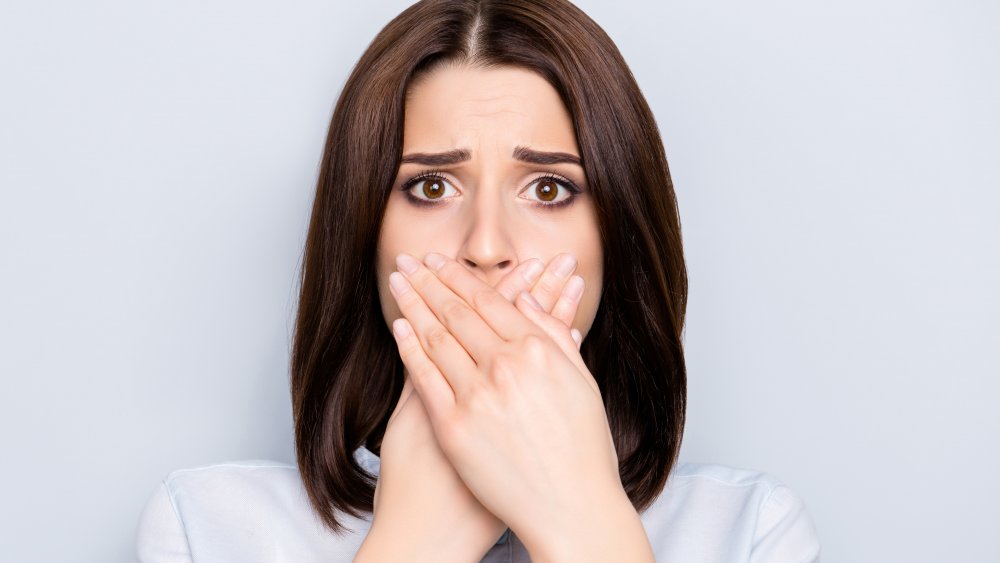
785,532
160,536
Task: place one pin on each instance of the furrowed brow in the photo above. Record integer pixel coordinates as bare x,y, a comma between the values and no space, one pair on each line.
524,154
446,158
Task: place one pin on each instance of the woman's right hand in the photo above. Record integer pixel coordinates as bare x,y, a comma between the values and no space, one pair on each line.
423,511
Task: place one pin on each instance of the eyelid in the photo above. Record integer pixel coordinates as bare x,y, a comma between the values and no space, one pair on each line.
439,174
570,185
407,189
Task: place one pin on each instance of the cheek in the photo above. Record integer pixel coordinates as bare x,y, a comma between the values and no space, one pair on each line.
591,269
390,310
403,230
589,302
390,244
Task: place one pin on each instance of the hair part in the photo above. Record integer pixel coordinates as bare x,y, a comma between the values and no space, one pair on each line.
346,374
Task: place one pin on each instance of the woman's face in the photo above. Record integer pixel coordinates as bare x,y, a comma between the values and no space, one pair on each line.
492,210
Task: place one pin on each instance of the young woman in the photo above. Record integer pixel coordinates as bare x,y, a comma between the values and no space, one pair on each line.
487,361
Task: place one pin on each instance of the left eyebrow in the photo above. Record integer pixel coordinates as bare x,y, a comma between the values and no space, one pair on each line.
523,154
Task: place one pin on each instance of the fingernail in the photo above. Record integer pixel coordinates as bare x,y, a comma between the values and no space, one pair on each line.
531,300
399,329
574,287
533,269
434,261
407,263
397,283
565,265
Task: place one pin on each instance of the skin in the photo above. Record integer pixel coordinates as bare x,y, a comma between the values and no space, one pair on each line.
488,217
500,423
439,520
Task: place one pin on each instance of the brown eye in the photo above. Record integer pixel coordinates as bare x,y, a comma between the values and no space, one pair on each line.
428,189
547,190
433,188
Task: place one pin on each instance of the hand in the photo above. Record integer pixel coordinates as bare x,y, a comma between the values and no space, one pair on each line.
419,498
511,402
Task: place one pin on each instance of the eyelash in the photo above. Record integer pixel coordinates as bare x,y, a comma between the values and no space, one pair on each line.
548,175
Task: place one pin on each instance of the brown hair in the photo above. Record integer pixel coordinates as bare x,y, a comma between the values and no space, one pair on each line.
346,375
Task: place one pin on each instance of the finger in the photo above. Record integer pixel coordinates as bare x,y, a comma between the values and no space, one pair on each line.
448,310
568,303
437,342
577,337
425,377
557,331
549,286
521,278
478,297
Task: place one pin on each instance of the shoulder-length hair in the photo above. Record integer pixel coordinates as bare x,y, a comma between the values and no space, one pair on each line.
346,374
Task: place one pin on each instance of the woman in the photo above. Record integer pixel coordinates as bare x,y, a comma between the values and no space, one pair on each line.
487,361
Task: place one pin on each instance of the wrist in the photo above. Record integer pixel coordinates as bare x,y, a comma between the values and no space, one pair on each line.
609,529
459,543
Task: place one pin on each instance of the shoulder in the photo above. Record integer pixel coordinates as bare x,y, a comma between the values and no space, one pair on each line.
273,479
236,491
239,510
740,514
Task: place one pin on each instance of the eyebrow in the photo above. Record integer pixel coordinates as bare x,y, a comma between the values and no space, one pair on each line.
523,154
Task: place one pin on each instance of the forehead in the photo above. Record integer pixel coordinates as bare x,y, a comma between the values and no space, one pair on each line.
466,106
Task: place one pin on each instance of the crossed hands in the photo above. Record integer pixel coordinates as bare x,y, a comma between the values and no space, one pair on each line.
499,423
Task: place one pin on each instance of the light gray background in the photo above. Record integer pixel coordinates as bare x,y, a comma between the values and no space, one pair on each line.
837,172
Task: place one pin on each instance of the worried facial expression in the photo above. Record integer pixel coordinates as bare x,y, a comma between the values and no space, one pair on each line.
490,176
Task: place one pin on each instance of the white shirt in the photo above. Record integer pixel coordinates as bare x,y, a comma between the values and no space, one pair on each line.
258,511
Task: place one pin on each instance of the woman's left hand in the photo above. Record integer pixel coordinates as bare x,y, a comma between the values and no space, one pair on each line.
512,404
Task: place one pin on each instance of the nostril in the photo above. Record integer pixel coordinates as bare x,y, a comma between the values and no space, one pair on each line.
501,266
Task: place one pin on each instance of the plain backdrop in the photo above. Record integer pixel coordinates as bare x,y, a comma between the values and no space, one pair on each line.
836,166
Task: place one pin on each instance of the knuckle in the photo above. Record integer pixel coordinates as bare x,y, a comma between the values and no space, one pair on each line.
480,400
503,376
534,346
437,338
451,437
425,372
549,285
486,297
453,310
503,368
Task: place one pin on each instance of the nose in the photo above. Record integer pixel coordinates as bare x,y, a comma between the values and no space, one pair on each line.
487,248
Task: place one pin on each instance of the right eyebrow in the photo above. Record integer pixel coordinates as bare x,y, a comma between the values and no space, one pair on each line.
447,158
